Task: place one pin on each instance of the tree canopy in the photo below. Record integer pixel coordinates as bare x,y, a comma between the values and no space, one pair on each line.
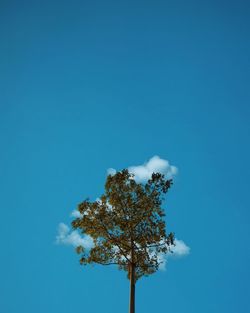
127,224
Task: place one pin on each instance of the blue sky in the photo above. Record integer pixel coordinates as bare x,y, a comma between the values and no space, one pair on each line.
85,86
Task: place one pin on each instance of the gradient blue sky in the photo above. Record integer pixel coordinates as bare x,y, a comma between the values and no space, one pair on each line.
88,85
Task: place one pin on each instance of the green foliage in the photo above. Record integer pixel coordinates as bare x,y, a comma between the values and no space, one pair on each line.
127,224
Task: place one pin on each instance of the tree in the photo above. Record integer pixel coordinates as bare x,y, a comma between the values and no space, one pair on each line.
127,226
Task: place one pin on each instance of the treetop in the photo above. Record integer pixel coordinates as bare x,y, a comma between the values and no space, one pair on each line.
127,224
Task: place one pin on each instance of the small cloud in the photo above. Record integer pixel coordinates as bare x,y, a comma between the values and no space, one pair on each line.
98,200
111,171
180,248
154,165
76,214
73,238
162,259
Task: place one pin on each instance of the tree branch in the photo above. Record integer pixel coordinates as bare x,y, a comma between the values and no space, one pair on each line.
115,240
111,263
152,246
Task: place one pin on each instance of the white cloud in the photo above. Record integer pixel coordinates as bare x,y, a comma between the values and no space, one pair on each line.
180,249
76,214
154,165
111,171
67,237
162,259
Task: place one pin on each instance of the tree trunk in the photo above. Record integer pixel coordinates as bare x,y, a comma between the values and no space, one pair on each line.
132,289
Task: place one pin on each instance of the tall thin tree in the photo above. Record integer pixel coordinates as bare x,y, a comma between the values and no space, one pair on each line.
127,226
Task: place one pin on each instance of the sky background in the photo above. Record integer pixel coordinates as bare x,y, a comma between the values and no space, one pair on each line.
89,85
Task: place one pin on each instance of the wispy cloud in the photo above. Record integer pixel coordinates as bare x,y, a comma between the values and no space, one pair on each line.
144,172
180,249
162,259
76,214
67,237
111,171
